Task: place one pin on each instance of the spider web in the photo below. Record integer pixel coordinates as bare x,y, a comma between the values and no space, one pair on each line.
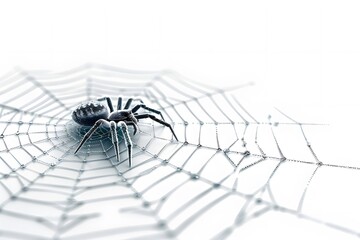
239,165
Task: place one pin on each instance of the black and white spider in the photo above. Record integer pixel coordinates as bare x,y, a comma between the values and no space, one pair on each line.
94,113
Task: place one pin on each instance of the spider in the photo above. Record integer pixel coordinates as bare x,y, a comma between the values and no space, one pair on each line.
95,114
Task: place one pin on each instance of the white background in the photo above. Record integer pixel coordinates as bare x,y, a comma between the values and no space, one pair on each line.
304,54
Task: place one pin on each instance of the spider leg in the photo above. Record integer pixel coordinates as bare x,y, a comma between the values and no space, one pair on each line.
137,107
119,104
109,102
138,99
135,126
152,117
128,103
115,139
130,100
127,138
90,132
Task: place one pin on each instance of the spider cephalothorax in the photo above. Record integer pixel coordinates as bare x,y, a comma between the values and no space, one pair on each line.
94,113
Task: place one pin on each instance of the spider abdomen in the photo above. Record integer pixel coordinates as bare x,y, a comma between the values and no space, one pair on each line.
89,112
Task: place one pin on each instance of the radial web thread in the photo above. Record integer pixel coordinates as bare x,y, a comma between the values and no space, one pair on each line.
239,165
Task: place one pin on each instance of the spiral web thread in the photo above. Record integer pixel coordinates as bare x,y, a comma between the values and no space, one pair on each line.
236,162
